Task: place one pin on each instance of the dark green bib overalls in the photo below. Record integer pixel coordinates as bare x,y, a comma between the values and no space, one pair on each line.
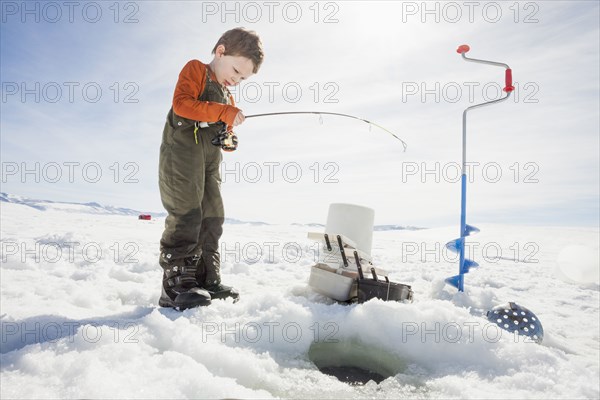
190,190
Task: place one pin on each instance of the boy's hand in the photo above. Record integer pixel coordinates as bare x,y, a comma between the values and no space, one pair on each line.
239,118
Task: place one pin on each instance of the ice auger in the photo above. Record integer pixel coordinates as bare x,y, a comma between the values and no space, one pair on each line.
458,245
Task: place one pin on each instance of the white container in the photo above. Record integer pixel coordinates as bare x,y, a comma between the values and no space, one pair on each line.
338,286
354,222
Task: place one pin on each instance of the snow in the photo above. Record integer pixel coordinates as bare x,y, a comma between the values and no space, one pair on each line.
79,314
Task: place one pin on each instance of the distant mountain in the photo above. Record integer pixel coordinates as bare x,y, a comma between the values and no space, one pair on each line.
96,208
238,222
375,228
310,224
396,228
85,208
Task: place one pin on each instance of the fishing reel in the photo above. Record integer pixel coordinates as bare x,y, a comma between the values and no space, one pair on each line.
226,139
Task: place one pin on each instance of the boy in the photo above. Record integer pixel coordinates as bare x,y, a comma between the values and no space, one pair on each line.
189,177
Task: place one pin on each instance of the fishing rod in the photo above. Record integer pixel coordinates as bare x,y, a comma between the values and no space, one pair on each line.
330,113
229,142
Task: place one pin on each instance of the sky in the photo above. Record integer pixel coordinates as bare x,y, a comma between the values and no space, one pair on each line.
86,87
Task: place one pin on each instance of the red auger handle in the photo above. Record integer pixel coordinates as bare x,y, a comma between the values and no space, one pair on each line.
463,48
508,79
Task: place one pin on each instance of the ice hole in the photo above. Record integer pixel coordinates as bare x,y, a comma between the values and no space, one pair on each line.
354,362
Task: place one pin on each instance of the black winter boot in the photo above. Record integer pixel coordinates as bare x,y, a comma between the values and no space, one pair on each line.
180,289
220,291
209,277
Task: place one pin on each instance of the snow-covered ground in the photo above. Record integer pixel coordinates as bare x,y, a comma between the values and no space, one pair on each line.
79,314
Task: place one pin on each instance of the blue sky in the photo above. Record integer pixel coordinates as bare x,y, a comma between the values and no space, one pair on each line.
85,92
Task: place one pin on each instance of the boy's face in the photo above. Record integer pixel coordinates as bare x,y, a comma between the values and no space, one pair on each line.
230,70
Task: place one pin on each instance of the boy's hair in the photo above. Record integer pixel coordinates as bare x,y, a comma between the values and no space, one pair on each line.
244,43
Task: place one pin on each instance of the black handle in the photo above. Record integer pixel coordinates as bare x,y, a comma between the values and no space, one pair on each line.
358,266
327,242
374,274
343,253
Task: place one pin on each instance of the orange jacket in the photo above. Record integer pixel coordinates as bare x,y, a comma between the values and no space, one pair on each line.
190,86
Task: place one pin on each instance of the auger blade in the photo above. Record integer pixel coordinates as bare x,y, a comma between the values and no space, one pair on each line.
458,246
468,265
470,229
454,281
455,245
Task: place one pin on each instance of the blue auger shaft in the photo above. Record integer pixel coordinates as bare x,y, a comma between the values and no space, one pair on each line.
463,228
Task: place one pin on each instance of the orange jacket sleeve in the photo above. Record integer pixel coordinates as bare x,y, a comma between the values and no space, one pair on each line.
190,85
